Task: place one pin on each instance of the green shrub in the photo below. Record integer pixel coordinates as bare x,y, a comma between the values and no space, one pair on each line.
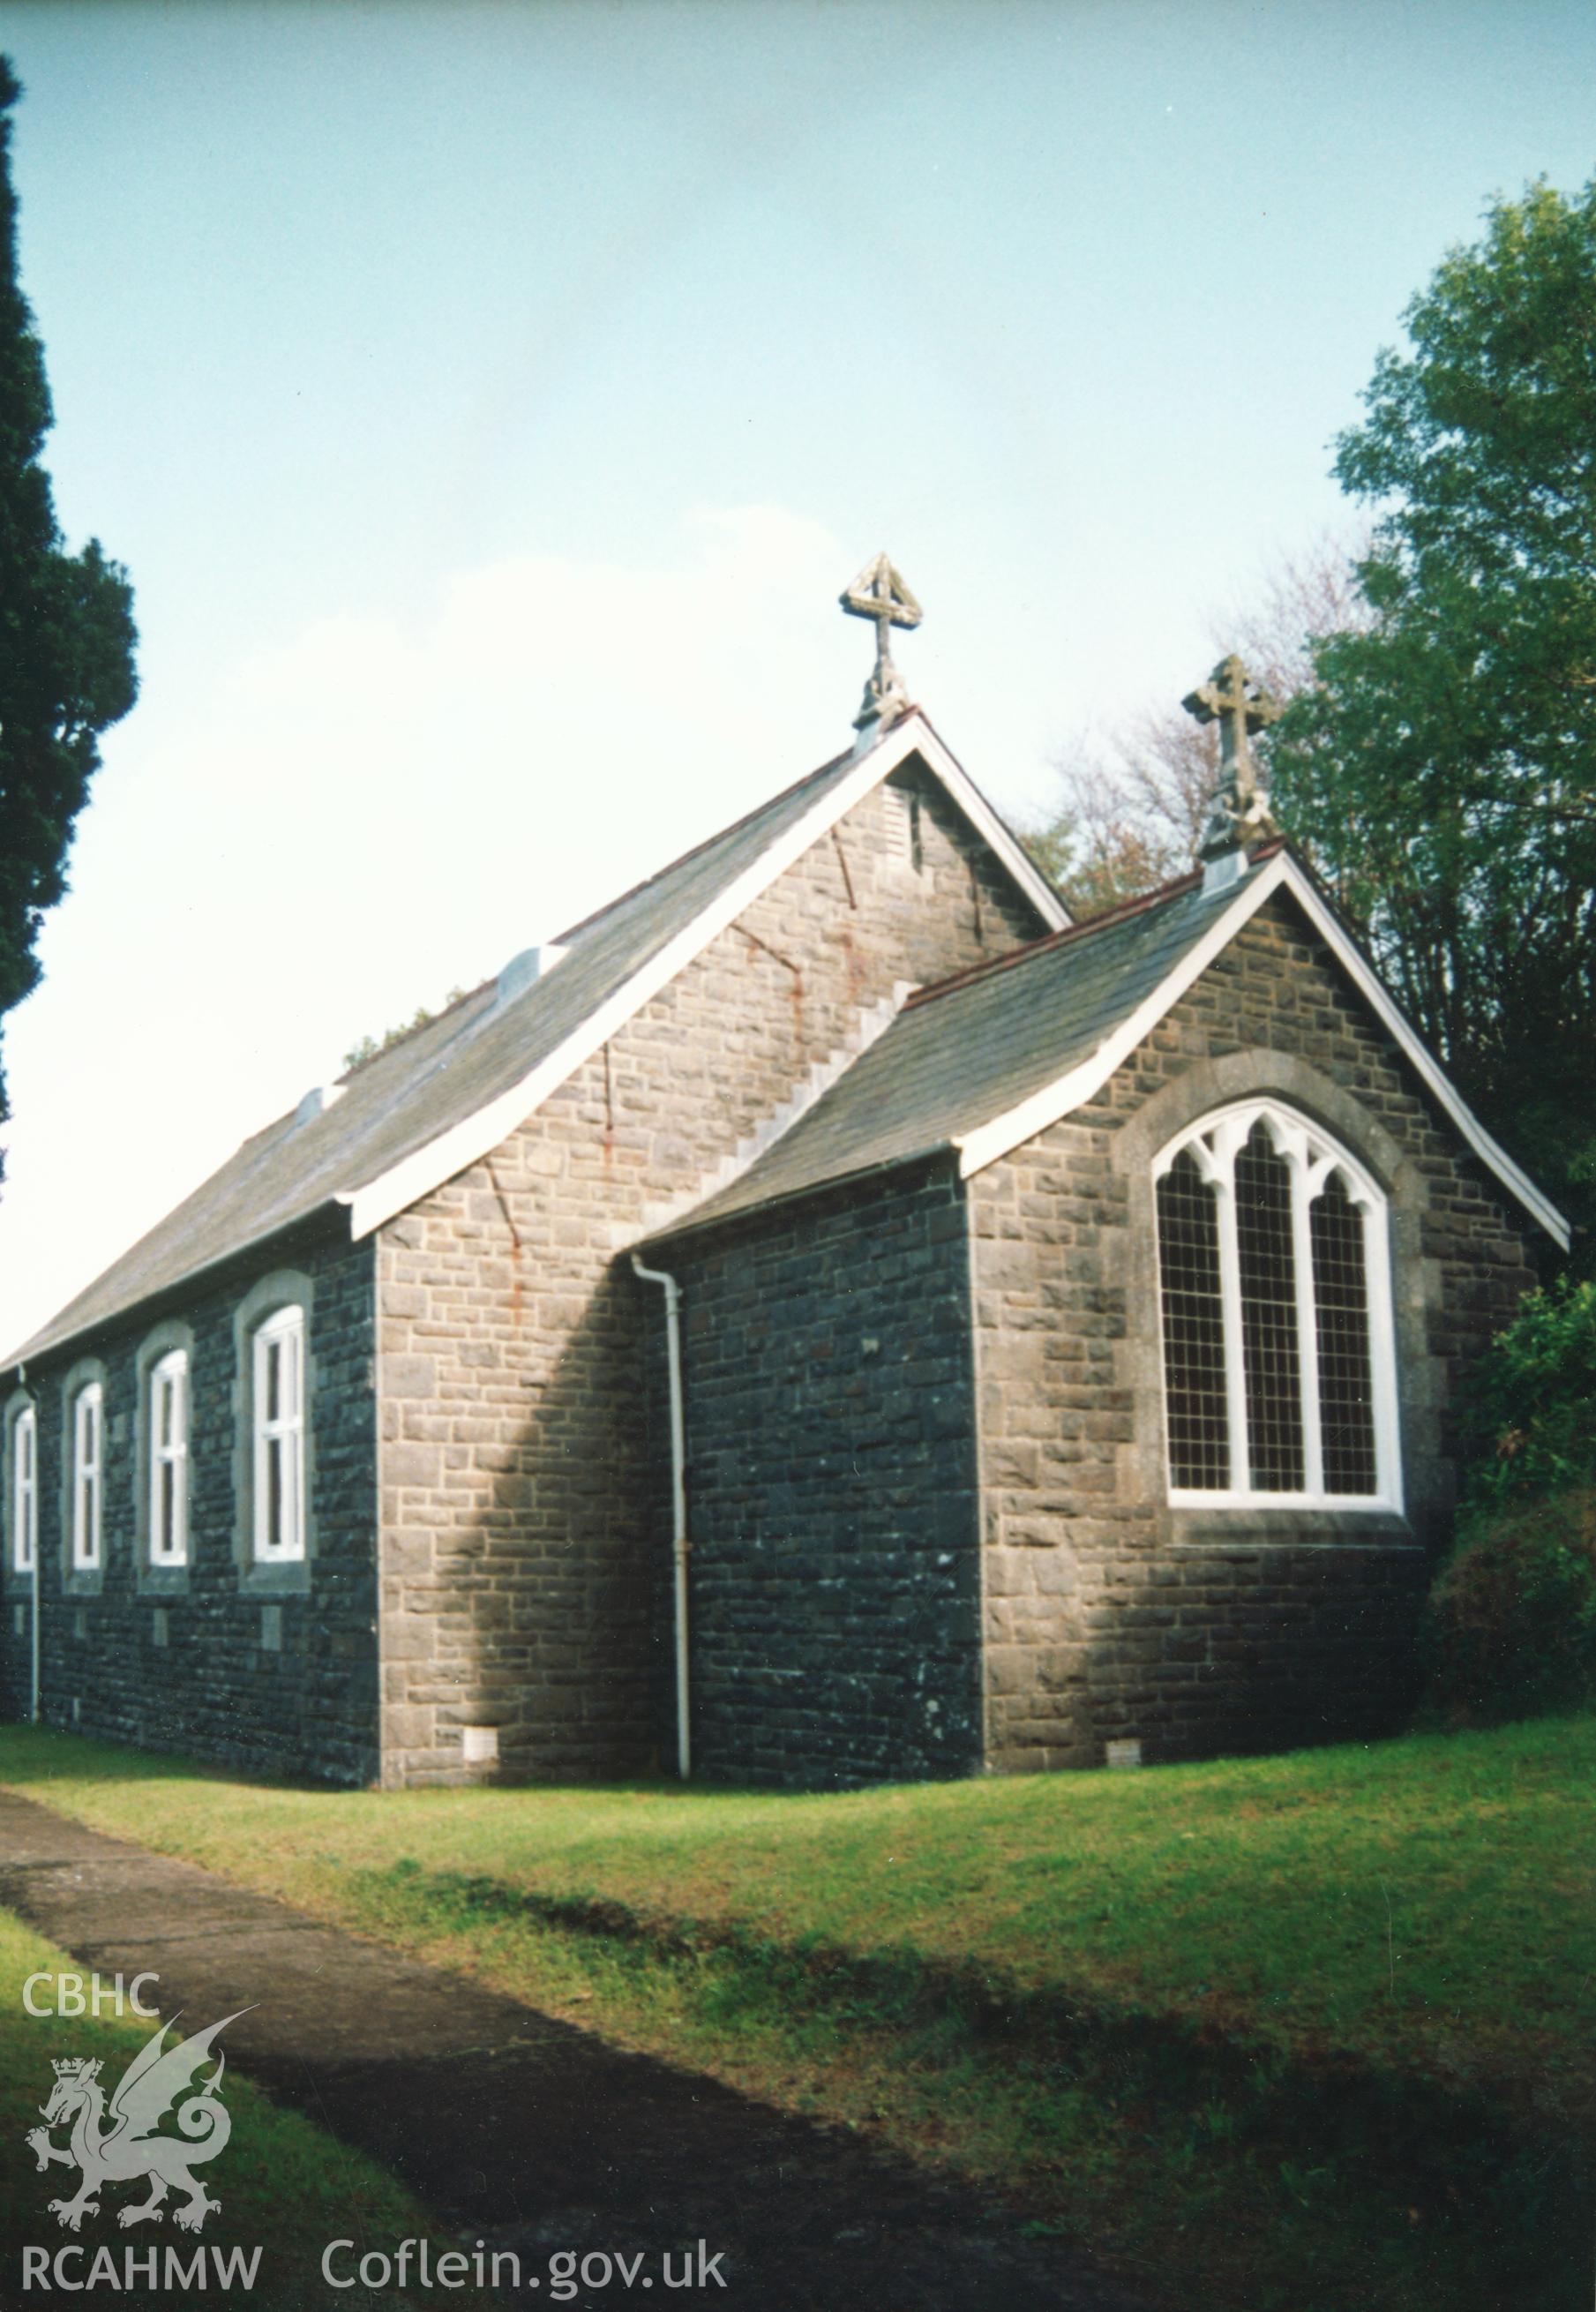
1511,1626
1530,1407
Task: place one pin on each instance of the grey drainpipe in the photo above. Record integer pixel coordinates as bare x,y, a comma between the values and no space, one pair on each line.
678,1498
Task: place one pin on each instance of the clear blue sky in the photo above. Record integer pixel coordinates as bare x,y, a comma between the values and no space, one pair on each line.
490,401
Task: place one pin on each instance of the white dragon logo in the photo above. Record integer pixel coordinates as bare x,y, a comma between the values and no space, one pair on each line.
129,2147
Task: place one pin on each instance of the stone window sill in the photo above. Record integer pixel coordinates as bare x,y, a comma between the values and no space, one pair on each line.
1286,1528
287,1578
161,1581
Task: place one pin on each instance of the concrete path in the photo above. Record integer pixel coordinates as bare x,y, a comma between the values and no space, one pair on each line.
526,2132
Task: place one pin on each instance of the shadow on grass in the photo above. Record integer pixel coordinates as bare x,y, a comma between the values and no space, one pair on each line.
1274,2180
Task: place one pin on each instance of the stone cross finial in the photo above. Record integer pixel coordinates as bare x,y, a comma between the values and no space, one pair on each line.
1239,813
879,593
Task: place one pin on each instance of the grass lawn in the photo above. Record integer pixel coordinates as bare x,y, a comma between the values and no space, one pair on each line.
1314,2029
279,2182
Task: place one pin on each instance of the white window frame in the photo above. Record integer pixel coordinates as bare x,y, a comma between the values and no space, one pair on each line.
1312,1156
24,1490
168,1459
88,1476
284,1431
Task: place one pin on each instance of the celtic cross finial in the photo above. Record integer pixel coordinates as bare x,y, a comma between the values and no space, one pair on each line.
879,593
1239,813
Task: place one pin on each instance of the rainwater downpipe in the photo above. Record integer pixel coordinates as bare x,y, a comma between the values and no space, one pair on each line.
678,1498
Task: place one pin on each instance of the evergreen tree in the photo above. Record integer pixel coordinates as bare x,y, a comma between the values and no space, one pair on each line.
66,633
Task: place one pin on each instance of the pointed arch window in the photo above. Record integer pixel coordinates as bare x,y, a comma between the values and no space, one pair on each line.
1279,1369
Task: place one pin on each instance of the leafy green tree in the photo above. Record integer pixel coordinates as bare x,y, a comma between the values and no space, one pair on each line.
1441,764
66,633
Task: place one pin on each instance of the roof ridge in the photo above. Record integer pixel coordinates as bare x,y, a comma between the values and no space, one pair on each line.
1119,912
1050,940
696,850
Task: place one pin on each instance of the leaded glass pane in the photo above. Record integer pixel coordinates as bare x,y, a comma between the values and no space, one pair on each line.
1269,1358
1345,1376
1193,1329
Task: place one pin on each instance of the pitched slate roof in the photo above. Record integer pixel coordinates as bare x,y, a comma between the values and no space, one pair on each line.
401,1099
436,1100
975,1046
982,1061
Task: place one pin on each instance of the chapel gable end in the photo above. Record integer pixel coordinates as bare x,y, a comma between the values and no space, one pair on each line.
901,891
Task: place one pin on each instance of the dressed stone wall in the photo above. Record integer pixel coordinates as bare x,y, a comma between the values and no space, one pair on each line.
1109,1615
520,1535
267,1667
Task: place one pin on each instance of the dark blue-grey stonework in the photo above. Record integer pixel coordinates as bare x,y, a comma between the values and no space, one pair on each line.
835,1579
306,1707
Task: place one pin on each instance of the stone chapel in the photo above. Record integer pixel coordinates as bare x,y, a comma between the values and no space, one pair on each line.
828,1318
